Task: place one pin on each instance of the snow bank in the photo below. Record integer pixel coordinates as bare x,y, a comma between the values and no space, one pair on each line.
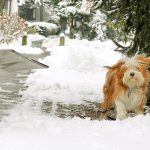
16,45
22,49
35,37
29,132
76,72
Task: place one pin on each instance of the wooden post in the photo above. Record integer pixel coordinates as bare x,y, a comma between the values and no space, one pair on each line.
24,39
62,39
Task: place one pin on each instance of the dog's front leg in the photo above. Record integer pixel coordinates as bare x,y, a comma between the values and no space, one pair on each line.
121,110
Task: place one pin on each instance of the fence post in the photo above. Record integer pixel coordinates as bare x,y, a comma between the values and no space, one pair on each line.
62,39
24,39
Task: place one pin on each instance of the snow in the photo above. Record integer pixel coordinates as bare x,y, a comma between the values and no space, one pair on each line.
67,10
21,2
98,23
62,3
85,7
48,26
22,49
27,49
44,133
71,9
76,72
35,37
62,35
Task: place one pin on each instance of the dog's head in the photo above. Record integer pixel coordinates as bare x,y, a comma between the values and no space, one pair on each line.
132,72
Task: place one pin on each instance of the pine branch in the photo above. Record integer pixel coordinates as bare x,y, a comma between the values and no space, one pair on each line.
118,45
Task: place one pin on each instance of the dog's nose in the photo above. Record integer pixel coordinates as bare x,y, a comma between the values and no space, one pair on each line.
132,74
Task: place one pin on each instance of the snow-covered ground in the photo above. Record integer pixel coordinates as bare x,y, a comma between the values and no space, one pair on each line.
27,49
76,71
76,74
29,132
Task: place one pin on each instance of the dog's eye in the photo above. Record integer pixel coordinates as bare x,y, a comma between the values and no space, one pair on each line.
137,68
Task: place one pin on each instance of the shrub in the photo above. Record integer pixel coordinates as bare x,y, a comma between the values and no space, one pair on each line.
45,28
11,27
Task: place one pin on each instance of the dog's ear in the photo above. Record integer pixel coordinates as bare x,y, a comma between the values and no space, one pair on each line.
143,59
115,66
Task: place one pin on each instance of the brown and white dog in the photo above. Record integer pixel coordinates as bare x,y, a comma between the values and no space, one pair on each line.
126,86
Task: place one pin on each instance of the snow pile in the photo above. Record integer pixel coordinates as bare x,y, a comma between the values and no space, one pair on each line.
27,49
76,72
22,49
35,37
29,132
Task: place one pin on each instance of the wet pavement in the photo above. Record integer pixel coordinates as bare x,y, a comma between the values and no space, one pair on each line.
9,92
11,86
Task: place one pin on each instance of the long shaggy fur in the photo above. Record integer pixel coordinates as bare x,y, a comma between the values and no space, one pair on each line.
126,86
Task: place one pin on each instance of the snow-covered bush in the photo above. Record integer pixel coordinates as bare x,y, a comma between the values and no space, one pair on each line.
44,28
11,27
98,24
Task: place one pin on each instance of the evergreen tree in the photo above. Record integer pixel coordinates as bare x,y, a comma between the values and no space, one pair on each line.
82,22
128,21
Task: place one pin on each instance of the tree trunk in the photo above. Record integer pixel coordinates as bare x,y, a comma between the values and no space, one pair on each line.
71,26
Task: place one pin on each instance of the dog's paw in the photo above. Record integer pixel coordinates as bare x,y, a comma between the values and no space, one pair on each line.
121,116
103,116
